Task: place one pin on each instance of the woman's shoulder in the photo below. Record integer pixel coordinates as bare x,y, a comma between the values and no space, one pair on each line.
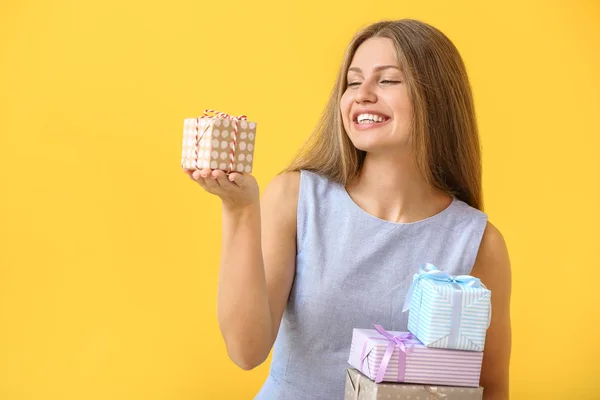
286,188
492,257
281,194
293,182
493,234
462,217
466,209
284,183
493,245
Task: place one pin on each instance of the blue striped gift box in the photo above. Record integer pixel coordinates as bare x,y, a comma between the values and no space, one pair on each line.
450,312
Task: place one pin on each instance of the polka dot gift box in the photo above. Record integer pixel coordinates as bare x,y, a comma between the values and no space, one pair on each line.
360,387
217,140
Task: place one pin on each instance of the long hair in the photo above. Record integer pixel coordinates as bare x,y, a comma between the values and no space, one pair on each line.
444,132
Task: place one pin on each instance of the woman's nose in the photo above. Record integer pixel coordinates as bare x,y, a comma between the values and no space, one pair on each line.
365,93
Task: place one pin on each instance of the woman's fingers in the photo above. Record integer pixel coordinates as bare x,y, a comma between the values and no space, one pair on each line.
221,179
195,175
236,178
189,172
233,188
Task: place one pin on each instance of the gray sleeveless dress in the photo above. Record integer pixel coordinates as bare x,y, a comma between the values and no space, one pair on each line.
353,270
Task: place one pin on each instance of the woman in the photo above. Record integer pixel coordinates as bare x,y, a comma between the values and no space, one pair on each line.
390,179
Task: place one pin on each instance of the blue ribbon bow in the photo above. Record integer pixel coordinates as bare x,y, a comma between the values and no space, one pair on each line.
430,272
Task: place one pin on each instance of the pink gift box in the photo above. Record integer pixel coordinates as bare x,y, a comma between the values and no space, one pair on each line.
218,141
400,357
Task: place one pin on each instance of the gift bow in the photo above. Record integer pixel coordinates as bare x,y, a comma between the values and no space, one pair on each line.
214,114
404,342
218,114
430,272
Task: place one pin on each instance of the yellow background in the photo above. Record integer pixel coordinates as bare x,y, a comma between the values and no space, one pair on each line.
109,254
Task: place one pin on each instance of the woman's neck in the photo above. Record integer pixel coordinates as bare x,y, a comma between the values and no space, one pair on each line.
391,188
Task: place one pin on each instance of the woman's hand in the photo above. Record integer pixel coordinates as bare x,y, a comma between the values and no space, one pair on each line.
237,191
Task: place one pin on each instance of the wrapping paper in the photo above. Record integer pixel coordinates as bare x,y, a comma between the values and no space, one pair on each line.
360,387
451,312
208,142
400,357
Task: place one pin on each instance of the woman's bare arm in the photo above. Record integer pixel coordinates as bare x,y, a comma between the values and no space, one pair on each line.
492,266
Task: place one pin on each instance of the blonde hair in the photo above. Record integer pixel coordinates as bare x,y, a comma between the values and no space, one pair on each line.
444,136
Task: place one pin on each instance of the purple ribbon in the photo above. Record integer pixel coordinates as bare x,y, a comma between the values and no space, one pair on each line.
405,343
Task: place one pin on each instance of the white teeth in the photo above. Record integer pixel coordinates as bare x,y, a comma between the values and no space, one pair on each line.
369,118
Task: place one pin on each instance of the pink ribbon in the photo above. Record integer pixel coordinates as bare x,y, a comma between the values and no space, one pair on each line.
404,342
213,114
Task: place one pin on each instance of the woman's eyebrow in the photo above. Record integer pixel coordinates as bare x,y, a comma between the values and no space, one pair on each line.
375,69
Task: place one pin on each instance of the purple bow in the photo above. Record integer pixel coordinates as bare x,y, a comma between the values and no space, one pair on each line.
404,342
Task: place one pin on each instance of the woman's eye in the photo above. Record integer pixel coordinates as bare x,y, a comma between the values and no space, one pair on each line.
353,83
388,81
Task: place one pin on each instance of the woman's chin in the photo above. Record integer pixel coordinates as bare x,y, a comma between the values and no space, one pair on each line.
366,143
379,147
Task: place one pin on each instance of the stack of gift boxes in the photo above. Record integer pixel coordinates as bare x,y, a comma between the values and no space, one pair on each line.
441,355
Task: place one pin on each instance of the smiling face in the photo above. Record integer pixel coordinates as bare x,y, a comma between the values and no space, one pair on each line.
375,107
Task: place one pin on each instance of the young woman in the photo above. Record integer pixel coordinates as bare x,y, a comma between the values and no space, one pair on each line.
390,179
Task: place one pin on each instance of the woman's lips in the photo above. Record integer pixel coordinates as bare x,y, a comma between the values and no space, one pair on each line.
369,125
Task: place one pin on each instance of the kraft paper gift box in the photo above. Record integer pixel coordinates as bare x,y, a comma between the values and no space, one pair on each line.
400,357
450,312
360,387
218,141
